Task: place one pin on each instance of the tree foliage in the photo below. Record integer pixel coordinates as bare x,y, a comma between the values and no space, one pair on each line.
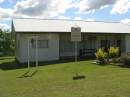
6,43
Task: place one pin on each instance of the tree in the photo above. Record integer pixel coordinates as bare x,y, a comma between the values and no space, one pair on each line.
6,42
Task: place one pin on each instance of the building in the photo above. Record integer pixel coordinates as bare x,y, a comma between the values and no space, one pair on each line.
54,38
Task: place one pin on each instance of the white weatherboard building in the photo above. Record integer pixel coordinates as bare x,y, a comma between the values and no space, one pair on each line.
54,38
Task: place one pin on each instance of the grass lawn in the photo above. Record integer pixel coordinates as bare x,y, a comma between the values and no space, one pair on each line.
56,80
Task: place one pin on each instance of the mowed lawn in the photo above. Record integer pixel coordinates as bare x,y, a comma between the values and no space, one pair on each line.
56,80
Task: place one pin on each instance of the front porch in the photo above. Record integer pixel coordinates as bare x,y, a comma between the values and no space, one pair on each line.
89,44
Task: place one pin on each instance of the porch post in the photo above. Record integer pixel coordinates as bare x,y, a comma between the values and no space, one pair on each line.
28,53
76,52
36,51
75,37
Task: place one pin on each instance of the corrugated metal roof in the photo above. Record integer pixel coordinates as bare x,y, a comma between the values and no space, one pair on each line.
46,25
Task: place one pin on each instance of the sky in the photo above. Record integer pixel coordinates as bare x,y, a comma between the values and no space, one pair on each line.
88,10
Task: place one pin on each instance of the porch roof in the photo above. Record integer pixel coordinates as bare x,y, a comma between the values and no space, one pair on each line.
47,25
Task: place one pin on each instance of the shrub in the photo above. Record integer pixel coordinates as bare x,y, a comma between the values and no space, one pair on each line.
113,52
101,55
126,60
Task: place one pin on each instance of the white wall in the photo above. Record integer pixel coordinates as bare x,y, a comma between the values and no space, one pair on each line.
44,54
17,47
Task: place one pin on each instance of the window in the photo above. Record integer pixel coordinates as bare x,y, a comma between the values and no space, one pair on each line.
40,43
90,37
105,44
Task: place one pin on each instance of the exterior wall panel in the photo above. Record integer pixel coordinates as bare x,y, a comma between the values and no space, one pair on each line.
44,54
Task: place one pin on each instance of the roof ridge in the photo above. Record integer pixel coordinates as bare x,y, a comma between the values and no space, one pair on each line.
66,20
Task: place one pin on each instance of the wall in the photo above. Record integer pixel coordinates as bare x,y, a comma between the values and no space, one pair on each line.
127,43
17,46
67,48
44,54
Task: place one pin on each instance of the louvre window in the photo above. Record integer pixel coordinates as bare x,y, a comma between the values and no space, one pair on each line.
40,43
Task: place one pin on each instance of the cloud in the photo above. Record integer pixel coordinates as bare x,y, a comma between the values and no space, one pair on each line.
122,6
90,5
42,8
4,26
63,17
125,21
5,13
1,1
78,18
90,20
31,7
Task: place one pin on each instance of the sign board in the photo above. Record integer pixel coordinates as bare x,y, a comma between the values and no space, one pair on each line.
75,34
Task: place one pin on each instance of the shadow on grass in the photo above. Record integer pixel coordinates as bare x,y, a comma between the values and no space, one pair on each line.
117,64
103,64
28,74
15,65
121,65
11,65
124,66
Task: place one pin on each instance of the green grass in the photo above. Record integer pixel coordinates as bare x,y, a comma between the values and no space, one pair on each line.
56,80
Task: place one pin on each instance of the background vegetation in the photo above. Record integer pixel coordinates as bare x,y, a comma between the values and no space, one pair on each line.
6,43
